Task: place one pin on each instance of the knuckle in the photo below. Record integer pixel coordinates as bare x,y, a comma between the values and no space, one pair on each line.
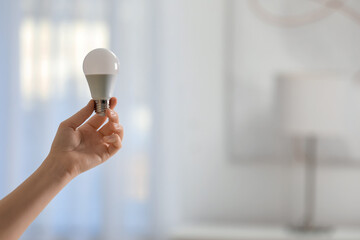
119,143
116,127
63,124
114,116
117,138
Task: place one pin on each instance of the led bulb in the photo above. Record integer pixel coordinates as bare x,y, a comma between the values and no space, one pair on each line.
100,68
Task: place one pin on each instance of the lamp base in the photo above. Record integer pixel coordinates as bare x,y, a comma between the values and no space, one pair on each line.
101,106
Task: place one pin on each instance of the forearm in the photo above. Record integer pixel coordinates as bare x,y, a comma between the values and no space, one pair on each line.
19,209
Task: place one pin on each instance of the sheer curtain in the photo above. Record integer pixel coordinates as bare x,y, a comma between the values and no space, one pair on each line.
42,47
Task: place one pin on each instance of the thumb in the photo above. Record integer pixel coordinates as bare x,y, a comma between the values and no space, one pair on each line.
78,118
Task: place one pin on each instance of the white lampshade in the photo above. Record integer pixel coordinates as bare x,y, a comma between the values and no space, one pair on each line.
313,104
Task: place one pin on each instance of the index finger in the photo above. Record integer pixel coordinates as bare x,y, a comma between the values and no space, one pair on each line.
78,118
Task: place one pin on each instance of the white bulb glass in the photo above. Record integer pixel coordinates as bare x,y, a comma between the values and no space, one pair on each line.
100,67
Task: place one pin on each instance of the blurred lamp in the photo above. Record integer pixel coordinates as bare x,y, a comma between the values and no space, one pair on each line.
312,105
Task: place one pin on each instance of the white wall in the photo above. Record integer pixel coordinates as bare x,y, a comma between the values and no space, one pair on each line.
199,183
202,183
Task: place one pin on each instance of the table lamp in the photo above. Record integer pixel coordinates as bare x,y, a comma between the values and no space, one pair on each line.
311,106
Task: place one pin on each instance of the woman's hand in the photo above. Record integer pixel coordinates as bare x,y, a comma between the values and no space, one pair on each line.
78,147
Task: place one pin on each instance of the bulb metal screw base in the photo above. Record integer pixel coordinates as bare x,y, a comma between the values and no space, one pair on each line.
101,106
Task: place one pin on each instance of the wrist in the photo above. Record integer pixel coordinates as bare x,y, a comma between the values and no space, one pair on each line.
54,168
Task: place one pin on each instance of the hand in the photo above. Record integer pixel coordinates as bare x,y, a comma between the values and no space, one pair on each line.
78,148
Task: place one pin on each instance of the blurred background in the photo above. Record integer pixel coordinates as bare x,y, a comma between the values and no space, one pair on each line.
241,117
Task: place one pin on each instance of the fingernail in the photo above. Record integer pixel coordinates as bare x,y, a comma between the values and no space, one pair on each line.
110,139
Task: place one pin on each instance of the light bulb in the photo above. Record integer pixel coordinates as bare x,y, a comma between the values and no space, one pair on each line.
100,68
